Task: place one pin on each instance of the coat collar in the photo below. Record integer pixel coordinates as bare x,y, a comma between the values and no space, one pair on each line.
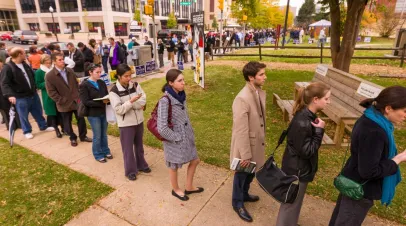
121,88
255,93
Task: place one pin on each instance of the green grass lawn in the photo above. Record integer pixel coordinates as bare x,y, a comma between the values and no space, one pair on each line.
38,191
211,116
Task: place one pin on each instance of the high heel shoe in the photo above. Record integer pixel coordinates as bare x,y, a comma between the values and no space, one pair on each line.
58,133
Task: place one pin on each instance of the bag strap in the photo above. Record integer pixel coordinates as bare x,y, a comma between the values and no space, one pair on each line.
281,139
345,157
169,109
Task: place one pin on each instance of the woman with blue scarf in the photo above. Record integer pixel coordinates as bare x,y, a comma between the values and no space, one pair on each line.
179,144
374,159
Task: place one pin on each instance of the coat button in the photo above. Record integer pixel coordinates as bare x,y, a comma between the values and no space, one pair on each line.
263,144
262,125
260,116
183,108
185,123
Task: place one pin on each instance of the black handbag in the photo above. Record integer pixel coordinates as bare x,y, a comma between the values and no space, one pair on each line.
283,188
83,111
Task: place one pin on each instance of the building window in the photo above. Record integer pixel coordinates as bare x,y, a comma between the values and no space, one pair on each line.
93,27
119,5
74,27
68,5
34,26
51,27
165,7
92,5
45,4
28,6
120,29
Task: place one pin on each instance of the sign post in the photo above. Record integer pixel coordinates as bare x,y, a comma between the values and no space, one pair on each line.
198,46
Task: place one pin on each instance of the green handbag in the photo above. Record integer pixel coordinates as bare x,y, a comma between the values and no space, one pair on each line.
348,187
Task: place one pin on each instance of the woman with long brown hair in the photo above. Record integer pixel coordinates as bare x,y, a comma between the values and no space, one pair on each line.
179,144
304,138
374,161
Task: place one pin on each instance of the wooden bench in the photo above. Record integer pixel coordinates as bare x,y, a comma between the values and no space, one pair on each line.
347,91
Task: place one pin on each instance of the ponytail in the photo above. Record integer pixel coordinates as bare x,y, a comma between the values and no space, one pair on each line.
164,87
300,101
306,95
367,102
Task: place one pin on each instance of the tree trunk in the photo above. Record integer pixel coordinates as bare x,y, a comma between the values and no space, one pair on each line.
342,52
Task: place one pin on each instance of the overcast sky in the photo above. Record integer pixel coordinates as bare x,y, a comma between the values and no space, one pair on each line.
294,3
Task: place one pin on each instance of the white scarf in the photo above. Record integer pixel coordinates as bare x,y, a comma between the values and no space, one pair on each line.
44,68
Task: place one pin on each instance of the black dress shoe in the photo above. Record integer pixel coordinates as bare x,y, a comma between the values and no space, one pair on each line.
58,133
183,198
147,170
251,198
243,214
132,177
74,143
199,190
86,139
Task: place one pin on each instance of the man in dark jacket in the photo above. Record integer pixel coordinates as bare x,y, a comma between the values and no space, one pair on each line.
147,42
63,88
18,86
161,53
77,56
171,52
87,54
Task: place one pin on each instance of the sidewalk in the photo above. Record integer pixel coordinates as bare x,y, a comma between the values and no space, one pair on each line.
148,200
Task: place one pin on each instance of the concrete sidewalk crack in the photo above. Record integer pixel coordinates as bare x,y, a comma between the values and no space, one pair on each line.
211,197
115,215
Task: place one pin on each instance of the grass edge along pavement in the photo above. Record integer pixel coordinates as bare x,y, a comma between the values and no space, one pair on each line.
211,117
38,191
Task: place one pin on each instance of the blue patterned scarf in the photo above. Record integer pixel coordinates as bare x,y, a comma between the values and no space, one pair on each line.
181,96
389,182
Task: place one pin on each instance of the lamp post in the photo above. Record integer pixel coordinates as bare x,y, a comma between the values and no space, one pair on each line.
53,22
176,17
286,24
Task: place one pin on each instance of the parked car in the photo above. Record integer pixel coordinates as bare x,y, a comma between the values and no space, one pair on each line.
166,34
6,36
25,36
62,46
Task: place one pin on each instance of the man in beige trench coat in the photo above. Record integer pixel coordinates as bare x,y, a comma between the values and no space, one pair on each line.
248,134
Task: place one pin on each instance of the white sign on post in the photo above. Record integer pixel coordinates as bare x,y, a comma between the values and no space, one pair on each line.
368,91
322,69
367,39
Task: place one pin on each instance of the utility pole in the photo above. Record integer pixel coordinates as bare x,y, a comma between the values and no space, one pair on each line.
150,10
286,24
221,7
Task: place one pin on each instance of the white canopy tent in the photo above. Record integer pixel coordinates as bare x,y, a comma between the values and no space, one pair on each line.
321,23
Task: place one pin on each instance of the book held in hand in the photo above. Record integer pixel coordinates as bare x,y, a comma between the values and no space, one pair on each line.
103,98
236,166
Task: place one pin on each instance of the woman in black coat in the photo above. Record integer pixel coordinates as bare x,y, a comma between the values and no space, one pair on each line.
304,138
374,160
91,89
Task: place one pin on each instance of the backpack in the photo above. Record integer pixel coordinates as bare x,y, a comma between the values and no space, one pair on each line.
152,123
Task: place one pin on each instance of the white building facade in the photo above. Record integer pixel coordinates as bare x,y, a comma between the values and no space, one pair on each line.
112,16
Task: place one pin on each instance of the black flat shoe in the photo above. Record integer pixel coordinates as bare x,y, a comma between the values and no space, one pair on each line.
103,160
251,198
183,198
132,177
199,190
147,170
243,214
109,156
86,139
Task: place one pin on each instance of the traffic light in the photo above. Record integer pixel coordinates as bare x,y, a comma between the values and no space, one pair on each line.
221,4
148,10
244,17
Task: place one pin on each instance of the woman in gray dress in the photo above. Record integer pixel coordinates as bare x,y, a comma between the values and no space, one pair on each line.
179,147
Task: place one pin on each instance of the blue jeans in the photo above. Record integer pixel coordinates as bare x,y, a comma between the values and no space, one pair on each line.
180,56
100,146
104,63
31,105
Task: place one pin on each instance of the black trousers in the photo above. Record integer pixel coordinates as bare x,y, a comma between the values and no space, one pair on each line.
241,185
55,121
350,212
67,125
104,62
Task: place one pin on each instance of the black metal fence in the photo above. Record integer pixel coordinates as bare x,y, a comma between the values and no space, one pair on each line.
260,47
